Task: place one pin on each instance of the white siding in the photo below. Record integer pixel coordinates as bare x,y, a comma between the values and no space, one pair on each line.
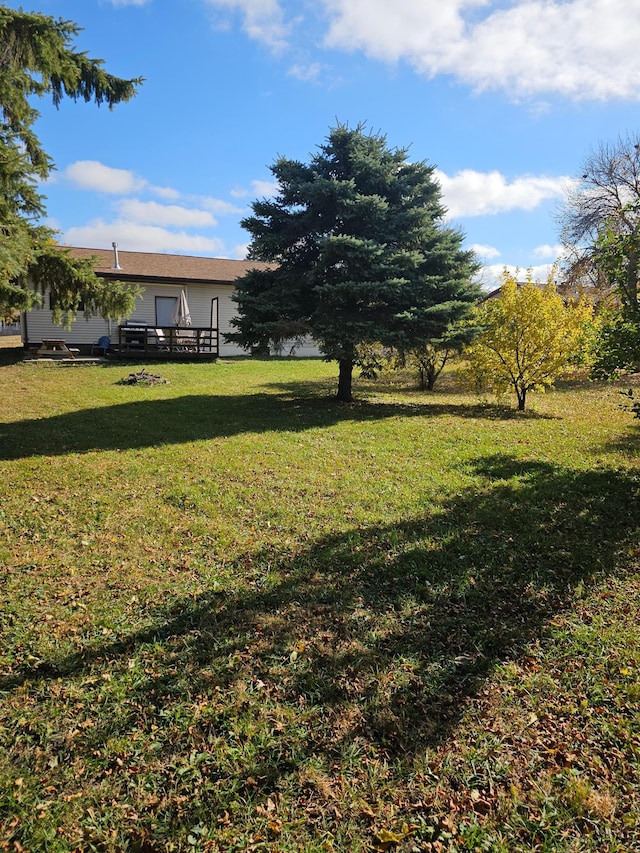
305,348
39,324
199,298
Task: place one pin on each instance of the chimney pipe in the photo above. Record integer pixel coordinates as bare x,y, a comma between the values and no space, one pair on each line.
116,264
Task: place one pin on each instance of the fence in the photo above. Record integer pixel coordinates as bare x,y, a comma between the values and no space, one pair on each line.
9,328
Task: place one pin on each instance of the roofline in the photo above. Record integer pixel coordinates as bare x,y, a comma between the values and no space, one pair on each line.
121,275
109,250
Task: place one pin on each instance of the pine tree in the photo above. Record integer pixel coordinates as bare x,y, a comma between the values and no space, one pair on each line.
37,58
359,254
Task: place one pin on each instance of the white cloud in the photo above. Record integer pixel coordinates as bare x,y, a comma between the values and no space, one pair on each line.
219,206
92,175
548,251
261,189
262,20
471,193
146,225
490,275
265,189
240,252
53,223
581,49
165,192
152,213
306,73
486,252
467,193
134,236
95,176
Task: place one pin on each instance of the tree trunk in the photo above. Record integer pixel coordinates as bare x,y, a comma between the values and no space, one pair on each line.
522,397
345,377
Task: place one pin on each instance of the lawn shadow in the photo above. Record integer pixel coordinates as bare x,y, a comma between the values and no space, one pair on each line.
627,443
379,388
377,636
10,355
176,420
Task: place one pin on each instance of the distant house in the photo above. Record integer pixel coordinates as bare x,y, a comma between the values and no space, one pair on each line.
207,284
496,292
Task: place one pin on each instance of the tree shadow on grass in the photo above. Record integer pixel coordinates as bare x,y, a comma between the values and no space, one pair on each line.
378,636
380,388
176,420
10,355
628,444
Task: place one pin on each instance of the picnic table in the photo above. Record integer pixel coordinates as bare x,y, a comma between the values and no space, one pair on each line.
55,348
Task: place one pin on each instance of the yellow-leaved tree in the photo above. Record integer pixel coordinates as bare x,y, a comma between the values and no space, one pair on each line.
529,337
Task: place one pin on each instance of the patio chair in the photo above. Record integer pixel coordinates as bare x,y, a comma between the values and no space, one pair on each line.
102,347
186,340
161,338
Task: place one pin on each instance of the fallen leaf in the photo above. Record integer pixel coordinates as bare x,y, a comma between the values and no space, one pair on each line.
275,827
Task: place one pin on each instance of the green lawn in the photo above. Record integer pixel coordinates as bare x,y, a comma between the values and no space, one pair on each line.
239,616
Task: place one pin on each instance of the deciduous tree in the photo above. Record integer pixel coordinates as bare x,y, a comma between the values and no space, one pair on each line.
529,337
600,225
37,58
360,254
431,357
615,345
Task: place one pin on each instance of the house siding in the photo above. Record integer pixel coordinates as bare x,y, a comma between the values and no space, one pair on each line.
202,279
305,348
85,332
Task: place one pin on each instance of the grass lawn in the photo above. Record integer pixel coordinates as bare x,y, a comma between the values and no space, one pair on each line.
238,616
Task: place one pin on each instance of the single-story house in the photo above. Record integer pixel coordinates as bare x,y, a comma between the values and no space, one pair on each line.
154,327
497,292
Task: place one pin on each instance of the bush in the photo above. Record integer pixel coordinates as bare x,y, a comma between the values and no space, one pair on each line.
616,346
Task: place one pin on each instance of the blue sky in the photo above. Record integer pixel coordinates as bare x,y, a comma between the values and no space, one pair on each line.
505,98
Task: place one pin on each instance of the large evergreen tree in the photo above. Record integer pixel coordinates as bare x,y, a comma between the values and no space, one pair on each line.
37,58
359,254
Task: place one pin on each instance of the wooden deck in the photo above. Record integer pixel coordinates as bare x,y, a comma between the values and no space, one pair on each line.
170,343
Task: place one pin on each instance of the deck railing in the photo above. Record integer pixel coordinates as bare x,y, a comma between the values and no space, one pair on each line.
139,340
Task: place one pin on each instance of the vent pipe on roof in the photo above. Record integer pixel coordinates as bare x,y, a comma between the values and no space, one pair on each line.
116,264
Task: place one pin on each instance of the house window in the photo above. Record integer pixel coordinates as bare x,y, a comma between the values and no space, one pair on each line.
165,309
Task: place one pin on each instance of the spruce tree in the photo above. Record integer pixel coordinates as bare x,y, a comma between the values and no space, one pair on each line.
37,58
358,251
